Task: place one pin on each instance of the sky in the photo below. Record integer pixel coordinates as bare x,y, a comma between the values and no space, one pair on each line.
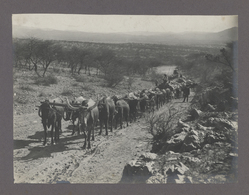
126,23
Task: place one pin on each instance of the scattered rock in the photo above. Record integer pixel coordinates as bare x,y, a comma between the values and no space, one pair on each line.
176,173
176,141
212,137
148,156
182,124
156,179
210,108
220,123
136,172
201,127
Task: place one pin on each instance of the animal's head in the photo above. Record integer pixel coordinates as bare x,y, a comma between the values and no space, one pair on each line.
83,115
115,99
102,105
44,109
82,111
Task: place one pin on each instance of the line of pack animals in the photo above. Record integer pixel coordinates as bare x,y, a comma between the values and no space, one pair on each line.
106,110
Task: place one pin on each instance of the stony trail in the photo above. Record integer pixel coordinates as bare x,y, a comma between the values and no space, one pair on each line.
67,161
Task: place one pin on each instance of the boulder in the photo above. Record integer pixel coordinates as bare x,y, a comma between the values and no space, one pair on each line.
191,142
193,132
201,127
181,168
195,113
188,147
193,161
191,139
220,123
176,141
156,179
182,124
210,108
212,137
136,171
178,168
148,156
176,173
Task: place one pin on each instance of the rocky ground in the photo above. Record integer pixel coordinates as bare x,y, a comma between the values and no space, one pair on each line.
198,152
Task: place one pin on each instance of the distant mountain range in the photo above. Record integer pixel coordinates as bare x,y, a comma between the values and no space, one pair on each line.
221,37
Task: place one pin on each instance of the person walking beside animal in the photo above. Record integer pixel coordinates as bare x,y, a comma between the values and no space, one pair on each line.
165,79
156,82
186,92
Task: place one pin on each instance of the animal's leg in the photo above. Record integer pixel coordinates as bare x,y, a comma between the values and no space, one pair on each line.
89,129
92,133
78,127
57,129
52,134
111,122
84,146
45,133
127,119
121,121
100,126
106,126
73,128
116,122
60,127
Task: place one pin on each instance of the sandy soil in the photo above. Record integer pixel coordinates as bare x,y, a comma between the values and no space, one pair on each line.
67,161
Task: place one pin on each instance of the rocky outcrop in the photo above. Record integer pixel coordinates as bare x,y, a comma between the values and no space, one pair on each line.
175,173
202,149
176,141
138,171
191,142
220,123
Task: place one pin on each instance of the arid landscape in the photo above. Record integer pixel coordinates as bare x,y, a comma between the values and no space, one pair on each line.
109,157
171,90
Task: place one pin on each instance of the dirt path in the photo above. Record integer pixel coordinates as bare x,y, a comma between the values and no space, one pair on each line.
67,161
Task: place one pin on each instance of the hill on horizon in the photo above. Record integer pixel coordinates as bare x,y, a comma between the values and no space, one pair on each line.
221,37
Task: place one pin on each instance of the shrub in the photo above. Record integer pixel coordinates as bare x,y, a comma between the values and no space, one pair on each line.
42,94
79,78
113,78
161,124
66,92
46,81
87,88
75,84
27,88
56,70
154,76
21,100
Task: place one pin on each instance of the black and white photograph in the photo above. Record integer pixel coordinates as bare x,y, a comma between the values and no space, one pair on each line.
125,99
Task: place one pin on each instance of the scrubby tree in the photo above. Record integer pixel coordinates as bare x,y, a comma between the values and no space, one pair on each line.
47,52
112,67
106,59
37,54
225,57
